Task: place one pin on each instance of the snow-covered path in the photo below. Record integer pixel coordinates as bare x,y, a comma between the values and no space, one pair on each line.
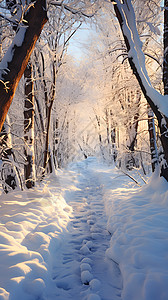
60,239
81,270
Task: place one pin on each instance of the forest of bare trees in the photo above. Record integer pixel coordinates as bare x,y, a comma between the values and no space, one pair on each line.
111,103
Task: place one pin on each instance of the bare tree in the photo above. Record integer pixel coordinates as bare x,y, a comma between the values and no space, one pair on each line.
126,17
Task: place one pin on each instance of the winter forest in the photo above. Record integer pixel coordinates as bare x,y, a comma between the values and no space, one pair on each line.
83,150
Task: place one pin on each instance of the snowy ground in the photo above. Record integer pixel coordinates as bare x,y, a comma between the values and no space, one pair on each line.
87,234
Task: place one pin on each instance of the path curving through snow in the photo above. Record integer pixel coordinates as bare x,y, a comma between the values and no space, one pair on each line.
81,270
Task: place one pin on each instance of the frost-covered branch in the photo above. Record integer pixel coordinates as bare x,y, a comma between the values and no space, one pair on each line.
126,17
74,11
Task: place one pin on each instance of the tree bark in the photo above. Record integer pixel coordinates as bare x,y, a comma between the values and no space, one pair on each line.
18,55
133,125
100,136
49,105
131,160
152,139
165,45
10,174
47,153
29,167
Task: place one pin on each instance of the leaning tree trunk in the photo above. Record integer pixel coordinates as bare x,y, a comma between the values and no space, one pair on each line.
126,22
18,54
29,167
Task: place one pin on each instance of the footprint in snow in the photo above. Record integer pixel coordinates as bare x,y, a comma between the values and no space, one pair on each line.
86,277
85,267
85,250
93,297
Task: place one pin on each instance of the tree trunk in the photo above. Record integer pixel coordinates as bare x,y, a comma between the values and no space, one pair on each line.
10,174
165,45
49,104
132,131
107,121
152,139
113,141
29,167
113,137
133,126
164,136
18,54
100,136
47,153
55,142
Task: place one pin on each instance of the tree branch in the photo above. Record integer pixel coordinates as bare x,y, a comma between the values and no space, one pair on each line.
16,58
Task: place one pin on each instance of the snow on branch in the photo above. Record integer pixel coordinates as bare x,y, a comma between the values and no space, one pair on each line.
126,16
18,12
8,19
74,11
